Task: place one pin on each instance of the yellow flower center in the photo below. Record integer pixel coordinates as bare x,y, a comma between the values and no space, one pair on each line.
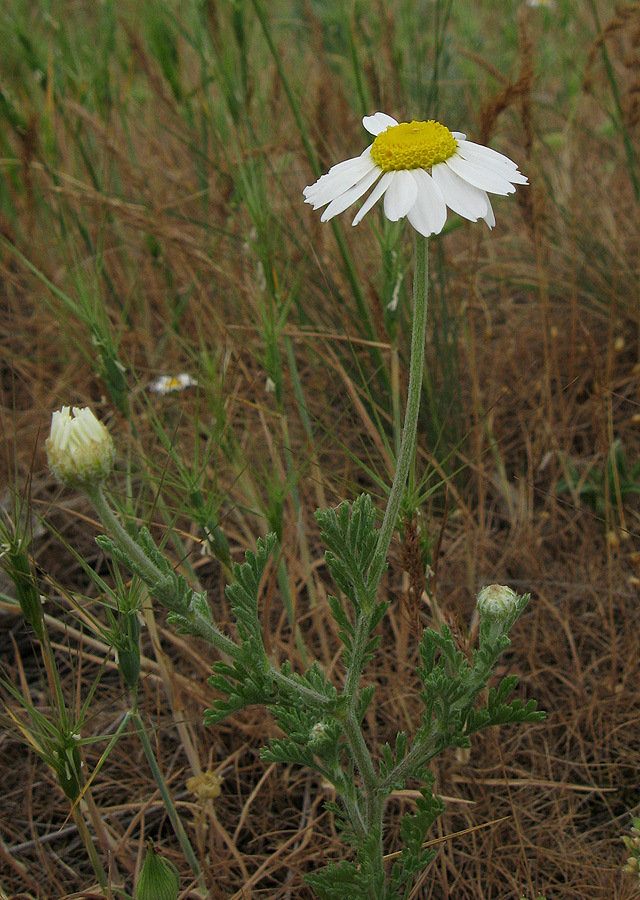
413,145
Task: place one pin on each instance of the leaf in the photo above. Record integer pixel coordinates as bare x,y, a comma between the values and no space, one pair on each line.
248,681
340,615
355,882
243,594
285,750
338,881
364,700
391,759
351,538
414,828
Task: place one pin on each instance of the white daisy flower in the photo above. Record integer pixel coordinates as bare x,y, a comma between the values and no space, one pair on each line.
420,168
168,384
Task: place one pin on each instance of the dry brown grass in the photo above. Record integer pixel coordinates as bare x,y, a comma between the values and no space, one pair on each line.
550,370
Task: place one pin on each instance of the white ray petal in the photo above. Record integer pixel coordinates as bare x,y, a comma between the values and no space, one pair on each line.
458,135
489,218
460,196
511,173
400,196
339,204
479,176
374,196
488,153
378,122
338,179
429,212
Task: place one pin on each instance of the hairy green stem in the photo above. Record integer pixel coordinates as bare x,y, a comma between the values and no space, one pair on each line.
198,625
372,788
305,694
362,757
418,755
156,581
407,445
350,725
114,528
354,672
354,813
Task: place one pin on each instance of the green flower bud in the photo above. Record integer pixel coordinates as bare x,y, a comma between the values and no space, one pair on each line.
79,449
128,650
159,878
68,765
497,603
16,565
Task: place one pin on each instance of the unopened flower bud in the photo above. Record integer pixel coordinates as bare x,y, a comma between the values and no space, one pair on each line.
67,765
158,879
496,602
79,449
15,562
128,649
631,867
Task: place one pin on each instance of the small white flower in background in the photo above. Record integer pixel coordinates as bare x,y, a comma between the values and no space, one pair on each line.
168,384
79,449
421,168
269,385
496,602
548,3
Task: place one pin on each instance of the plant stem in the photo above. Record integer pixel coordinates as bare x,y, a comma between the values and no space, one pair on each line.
407,445
81,825
362,757
304,693
372,795
151,575
168,802
157,582
199,625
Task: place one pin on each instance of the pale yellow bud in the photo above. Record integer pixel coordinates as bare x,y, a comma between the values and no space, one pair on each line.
79,449
206,786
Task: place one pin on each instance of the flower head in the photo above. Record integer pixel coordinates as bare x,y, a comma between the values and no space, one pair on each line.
206,786
420,168
168,384
79,449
